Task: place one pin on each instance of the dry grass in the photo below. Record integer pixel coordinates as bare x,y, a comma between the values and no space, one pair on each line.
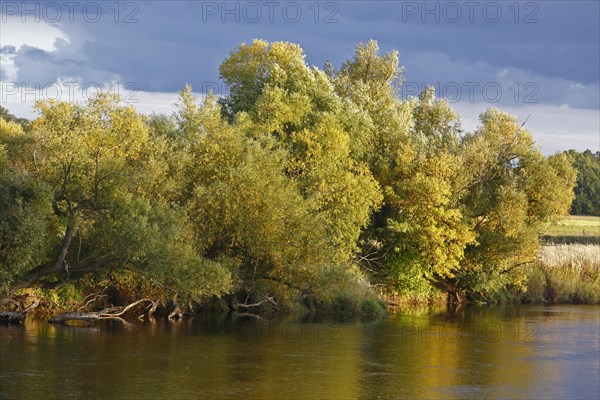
568,273
570,256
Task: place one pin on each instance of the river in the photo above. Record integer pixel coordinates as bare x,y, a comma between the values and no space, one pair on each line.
525,352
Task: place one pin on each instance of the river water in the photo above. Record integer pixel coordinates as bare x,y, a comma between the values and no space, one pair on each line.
526,352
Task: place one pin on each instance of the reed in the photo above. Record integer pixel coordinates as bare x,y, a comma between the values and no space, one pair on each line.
567,273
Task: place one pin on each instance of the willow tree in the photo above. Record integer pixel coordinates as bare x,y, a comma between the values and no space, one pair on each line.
275,95
419,233
461,211
290,181
511,193
26,221
242,206
85,183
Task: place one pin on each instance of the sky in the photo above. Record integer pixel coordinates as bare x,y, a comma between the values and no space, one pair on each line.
538,60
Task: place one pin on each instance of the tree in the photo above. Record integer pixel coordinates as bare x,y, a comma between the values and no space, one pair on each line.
460,211
418,235
299,184
243,206
276,95
25,212
511,195
587,190
85,178
8,117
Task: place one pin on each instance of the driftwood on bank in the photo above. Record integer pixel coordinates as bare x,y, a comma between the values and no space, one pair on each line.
16,316
112,313
245,306
12,316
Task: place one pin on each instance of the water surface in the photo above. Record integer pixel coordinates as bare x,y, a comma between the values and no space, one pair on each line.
471,353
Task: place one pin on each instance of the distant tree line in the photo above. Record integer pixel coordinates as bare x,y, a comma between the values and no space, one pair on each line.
587,189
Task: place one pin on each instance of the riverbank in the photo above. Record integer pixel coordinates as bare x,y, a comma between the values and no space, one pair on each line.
563,274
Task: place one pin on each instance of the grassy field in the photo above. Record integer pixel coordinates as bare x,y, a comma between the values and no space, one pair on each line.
568,267
575,229
576,225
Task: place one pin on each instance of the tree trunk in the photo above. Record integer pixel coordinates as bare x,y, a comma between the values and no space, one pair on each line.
113,313
74,316
12,316
17,316
58,265
456,297
50,268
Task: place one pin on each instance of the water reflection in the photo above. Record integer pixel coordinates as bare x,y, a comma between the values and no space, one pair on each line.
477,352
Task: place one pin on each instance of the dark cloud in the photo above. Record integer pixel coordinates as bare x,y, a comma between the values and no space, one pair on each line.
36,66
8,50
166,44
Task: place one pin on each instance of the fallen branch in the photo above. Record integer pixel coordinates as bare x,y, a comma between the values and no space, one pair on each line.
93,297
17,316
246,306
237,314
12,316
75,316
113,313
176,314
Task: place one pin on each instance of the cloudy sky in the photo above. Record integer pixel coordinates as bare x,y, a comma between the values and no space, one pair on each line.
538,60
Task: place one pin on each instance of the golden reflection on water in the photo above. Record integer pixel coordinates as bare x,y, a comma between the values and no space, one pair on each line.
427,352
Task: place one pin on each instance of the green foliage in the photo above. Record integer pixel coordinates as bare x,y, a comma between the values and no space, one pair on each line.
276,97
514,192
26,224
244,206
301,188
25,228
87,178
344,290
64,298
419,233
7,116
587,190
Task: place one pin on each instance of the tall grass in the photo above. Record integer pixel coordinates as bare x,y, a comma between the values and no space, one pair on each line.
566,273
